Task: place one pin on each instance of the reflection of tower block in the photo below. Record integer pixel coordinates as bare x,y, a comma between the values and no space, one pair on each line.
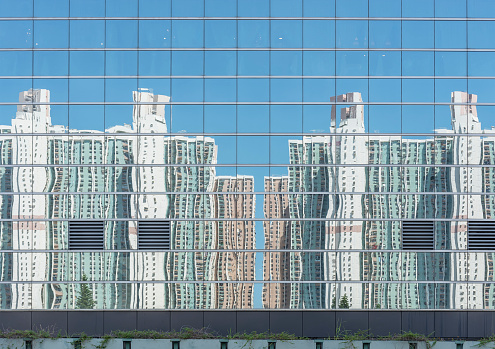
352,112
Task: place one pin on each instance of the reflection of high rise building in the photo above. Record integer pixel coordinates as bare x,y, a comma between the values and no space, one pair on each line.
233,234
308,210
70,169
378,182
277,237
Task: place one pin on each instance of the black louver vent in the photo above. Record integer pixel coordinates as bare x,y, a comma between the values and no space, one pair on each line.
481,235
86,235
154,235
418,235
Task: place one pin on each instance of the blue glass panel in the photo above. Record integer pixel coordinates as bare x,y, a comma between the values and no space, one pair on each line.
220,90
450,34
385,34
123,63
220,8
418,90
87,34
451,63
253,90
418,63
385,8
155,33
481,63
319,8
417,8
16,63
187,63
254,33
319,34
221,33
122,33
450,8
481,8
352,8
286,63
253,8
187,90
22,8
319,63
286,33
51,34
286,90
51,63
50,8
188,8
121,8
220,63
89,63
352,34
16,34
418,34
385,63
253,63
286,8
87,8
480,34
352,63
154,63
155,8
318,90
187,33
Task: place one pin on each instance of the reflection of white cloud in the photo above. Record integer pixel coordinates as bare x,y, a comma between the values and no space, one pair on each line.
182,131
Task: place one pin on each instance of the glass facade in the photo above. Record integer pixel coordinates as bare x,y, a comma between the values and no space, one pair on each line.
303,154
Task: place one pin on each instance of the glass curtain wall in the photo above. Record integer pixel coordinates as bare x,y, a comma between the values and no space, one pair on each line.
247,154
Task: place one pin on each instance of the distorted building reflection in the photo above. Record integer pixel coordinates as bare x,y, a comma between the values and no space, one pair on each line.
333,225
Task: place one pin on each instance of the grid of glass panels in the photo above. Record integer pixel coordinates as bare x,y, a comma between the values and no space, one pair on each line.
286,141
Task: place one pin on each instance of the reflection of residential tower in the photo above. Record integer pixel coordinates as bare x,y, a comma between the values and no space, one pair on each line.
233,234
276,265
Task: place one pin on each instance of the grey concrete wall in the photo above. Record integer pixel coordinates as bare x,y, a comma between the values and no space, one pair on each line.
313,324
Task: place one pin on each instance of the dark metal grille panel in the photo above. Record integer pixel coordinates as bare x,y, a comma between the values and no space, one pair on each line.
154,235
418,235
86,235
481,235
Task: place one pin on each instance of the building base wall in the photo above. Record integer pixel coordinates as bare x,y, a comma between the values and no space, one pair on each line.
310,323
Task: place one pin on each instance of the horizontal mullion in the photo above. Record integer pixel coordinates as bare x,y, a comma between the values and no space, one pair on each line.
248,250
199,219
251,103
68,282
233,77
179,165
405,194
76,136
241,18
334,49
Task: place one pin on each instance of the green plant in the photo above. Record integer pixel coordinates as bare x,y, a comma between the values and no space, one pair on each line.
485,341
344,302
85,299
79,342
104,343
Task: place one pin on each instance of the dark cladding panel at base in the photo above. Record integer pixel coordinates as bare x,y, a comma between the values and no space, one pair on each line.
223,322
450,324
286,321
57,321
119,321
181,319
352,321
418,321
384,323
88,322
249,321
318,324
478,322
153,320
15,320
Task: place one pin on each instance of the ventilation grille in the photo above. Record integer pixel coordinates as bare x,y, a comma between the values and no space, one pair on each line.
154,235
418,235
86,235
481,235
